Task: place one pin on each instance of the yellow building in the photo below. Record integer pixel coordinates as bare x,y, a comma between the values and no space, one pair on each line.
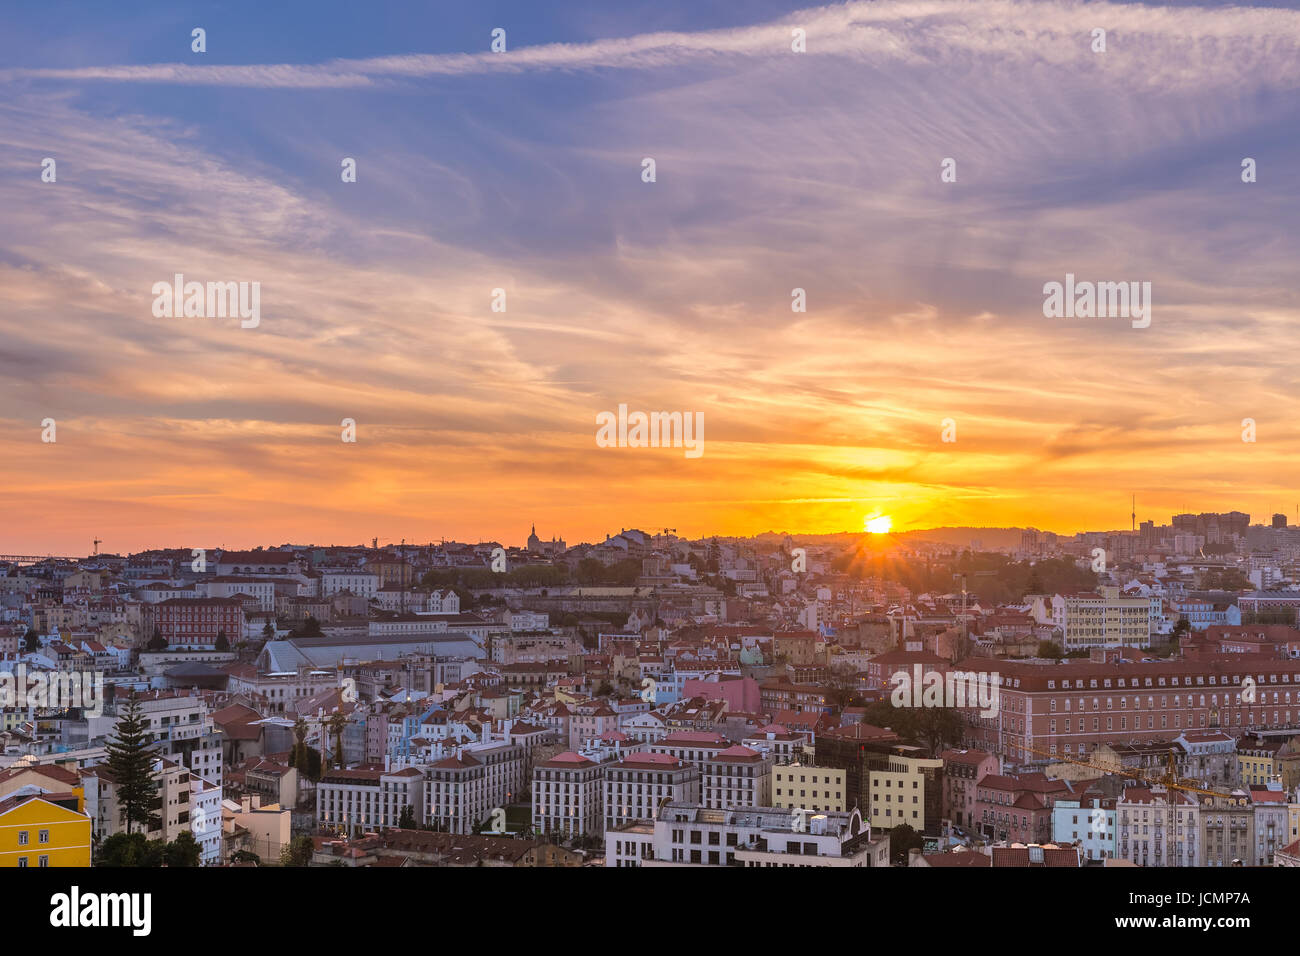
819,789
1257,759
43,831
906,789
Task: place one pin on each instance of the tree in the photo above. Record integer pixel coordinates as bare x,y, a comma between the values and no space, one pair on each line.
309,628
31,640
268,631
1181,628
338,722
131,849
157,642
222,644
297,852
1050,649
183,851
407,819
903,838
245,856
130,758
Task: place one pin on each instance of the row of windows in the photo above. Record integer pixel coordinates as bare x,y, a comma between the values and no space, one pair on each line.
1173,681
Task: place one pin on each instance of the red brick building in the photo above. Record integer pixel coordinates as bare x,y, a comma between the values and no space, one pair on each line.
195,622
1070,708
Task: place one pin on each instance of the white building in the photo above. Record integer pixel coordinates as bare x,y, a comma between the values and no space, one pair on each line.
637,785
1104,619
1158,828
360,800
205,819
1089,822
736,777
361,583
692,835
463,789
567,795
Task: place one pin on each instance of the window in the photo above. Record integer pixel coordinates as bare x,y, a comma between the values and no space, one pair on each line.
44,836
23,838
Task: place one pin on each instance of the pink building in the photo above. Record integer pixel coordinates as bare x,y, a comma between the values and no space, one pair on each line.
740,693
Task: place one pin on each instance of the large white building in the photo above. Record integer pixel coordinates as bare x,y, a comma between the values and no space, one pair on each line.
361,583
686,834
637,785
182,730
1106,619
1158,828
356,801
736,777
463,789
568,791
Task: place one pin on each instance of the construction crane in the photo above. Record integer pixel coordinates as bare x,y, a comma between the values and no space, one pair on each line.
98,542
1169,779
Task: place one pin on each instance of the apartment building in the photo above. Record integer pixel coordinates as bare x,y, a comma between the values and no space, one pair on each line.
1073,707
693,835
962,770
1227,831
637,785
357,801
1017,808
182,730
568,791
1090,822
808,787
43,830
194,623
907,789
364,584
1159,827
736,777
170,810
1105,618
463,789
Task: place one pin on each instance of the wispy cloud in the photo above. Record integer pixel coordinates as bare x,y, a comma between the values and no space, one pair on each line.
775,171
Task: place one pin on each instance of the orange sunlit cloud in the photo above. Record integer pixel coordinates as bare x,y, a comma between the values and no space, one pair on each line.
923,299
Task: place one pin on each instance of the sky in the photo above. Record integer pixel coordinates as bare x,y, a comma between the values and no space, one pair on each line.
775,170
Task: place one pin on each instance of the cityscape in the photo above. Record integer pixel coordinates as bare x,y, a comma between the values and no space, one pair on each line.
1103,699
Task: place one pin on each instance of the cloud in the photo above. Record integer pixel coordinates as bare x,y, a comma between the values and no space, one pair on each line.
1157,46
775,171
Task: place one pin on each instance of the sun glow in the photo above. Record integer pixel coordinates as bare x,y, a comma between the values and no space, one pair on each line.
877,524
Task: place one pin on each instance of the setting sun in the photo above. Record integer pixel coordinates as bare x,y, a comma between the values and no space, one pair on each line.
878,524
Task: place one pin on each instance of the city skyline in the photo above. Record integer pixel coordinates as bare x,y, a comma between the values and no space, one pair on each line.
522,171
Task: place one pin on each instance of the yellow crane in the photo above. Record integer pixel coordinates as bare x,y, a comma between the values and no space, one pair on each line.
1169,779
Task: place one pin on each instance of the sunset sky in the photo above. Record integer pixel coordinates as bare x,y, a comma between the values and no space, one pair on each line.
522,171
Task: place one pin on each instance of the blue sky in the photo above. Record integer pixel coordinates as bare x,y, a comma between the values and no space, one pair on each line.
522,171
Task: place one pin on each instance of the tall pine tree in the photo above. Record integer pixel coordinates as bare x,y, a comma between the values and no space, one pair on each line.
130,758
